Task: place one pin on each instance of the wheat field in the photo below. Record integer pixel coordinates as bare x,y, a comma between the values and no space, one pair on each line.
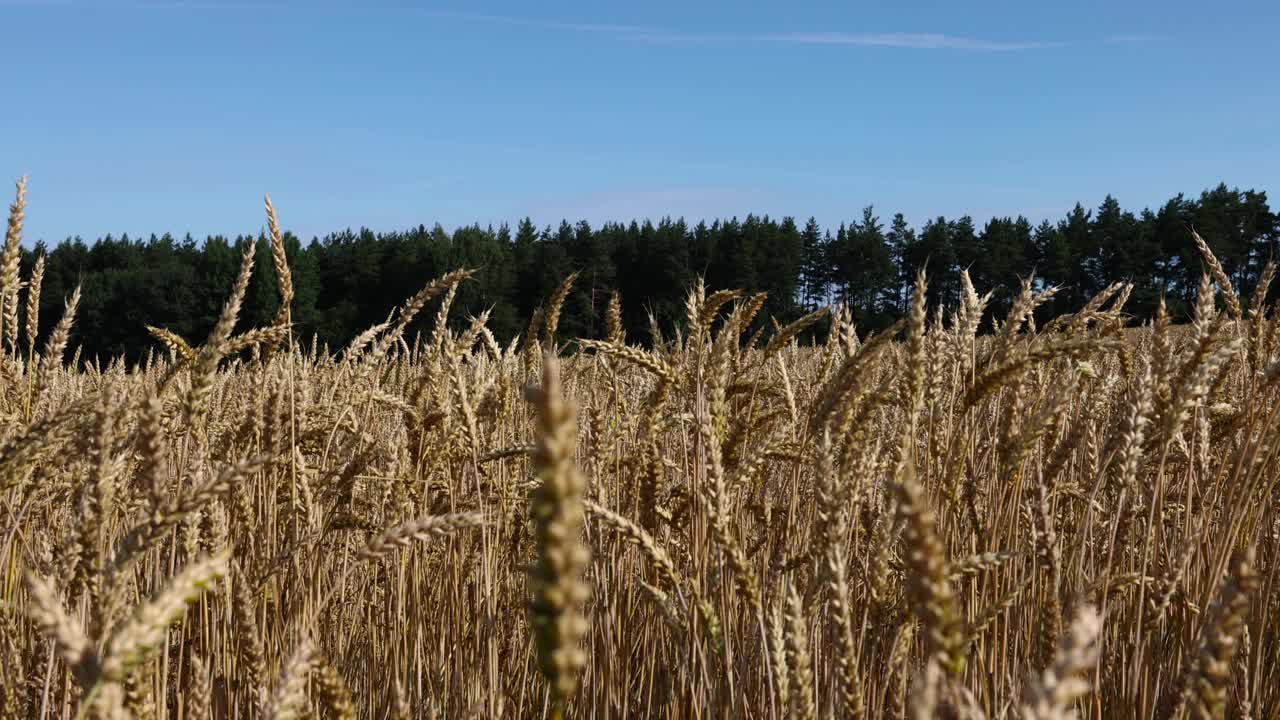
947,519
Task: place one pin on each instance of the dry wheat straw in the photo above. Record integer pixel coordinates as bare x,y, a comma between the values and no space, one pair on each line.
887,525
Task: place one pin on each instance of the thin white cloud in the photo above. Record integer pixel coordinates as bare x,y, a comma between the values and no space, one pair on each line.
923,41
1131,39
914,41
643,33
604,28
147,4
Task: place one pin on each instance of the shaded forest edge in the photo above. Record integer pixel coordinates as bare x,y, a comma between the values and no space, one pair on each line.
348,281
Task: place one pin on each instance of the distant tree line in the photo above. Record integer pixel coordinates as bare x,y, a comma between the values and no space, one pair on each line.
350,280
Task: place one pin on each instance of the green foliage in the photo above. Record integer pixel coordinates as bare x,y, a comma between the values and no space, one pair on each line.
350,280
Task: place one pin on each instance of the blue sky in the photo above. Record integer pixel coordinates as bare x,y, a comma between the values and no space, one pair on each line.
145,116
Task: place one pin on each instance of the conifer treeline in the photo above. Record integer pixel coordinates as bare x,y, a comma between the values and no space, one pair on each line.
347,281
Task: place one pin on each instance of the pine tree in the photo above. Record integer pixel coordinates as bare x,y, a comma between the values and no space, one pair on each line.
936,253
815,266
902,243
868,270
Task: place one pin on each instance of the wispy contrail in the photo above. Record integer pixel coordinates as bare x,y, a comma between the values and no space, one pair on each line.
916,41
905,40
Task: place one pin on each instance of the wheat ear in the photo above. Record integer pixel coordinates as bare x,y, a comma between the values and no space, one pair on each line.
558,590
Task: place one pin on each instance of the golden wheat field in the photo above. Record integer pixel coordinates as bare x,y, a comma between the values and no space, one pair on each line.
947,519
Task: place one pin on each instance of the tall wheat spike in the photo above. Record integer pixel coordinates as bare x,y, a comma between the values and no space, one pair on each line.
558,590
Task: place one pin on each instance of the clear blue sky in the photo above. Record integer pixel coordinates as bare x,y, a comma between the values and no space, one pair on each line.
152,116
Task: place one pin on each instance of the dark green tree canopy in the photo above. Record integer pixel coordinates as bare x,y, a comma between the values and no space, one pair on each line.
349,280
